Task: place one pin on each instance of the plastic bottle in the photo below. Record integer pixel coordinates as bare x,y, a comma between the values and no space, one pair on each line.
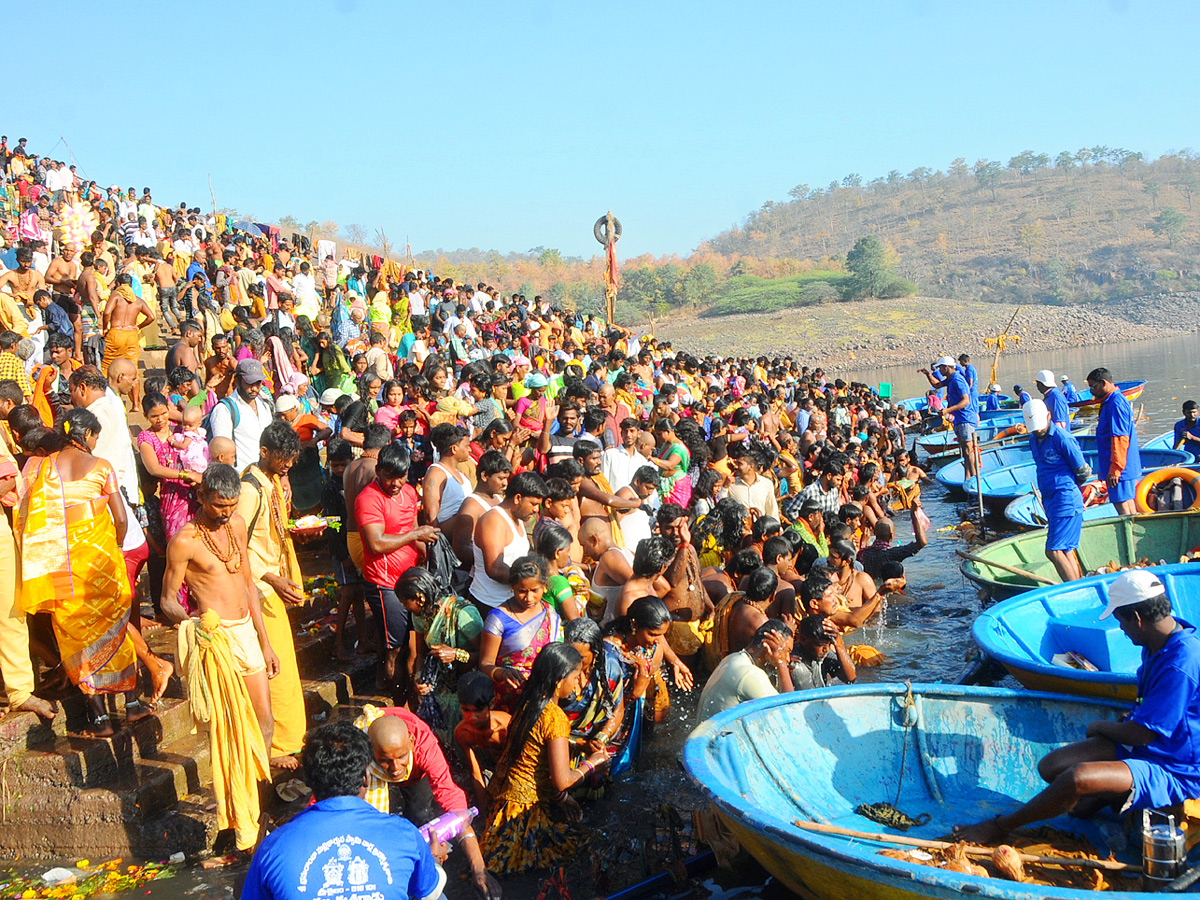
449,825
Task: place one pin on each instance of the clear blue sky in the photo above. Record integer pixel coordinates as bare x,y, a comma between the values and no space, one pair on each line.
510,125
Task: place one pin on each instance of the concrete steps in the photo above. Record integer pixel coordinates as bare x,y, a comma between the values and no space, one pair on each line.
143,791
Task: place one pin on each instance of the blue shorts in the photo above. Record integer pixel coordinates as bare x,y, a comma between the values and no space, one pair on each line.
1063,531
964,431
1154,786
1125,490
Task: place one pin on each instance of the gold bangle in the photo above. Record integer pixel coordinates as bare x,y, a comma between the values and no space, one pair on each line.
461,655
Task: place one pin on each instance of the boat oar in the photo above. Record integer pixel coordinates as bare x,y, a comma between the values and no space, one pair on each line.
1024,573
1108,865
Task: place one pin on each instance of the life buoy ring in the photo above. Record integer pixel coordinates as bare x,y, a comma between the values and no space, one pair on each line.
1154,479
600,230
1010,432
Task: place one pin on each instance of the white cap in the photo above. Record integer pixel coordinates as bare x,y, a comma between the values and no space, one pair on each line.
945,361
1065,378
1036,416
329,396
285,402
1132,587
1045,377
994,388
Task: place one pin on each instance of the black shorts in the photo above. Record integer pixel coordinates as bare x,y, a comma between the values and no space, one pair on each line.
68,304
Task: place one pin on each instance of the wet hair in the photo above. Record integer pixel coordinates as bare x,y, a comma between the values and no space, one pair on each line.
180,376
496,426
280,439
844,549
529,566
813,628
476,690
645,612
742,564
75,427
418,583
554,662
583,630
764,527
648,475
151,400
760,584
376,436
775,547
815,585
584,449
569,469
335,757
771,626
551,539
724,524
22,418
222,480
492,462
652,556
526,484
559,489
394,460
668,513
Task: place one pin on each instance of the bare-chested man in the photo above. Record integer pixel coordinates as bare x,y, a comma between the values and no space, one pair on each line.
209,555
88,295
597,499
614,565
220,367
125,315
22,283
164,280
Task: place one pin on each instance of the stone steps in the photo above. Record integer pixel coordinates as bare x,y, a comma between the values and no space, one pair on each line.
142,791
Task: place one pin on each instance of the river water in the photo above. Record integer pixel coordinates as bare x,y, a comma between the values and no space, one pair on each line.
925,637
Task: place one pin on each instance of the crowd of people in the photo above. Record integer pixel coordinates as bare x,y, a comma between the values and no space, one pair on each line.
537,522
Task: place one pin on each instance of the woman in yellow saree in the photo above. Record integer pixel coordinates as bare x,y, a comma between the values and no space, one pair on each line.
69,525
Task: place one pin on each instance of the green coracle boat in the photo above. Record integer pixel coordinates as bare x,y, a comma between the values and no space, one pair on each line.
1121,539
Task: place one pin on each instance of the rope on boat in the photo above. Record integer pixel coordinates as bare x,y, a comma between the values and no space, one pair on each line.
885,813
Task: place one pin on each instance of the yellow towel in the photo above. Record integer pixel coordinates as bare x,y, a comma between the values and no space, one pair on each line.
217,695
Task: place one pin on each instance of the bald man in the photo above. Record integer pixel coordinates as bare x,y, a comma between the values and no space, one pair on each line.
614,565
407,755
123,379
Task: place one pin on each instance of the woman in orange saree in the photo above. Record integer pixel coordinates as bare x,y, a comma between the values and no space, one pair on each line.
69,524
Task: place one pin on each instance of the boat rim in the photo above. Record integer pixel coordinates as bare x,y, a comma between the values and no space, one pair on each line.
858,852
1025,663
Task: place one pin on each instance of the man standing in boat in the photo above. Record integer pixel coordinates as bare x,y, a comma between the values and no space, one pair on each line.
1060,413
1116,442
1151,759
1060,471
961,404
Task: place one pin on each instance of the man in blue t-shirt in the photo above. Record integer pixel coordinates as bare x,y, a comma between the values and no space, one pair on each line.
1021,394
1069,392
1120,463
968,372
961,405
1149,759
1187,429
1056,403
341,847
1060,471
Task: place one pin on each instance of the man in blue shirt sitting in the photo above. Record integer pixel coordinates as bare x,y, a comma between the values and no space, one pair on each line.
1069,391
1056,403
1021,394
961,404
1151,758
1187,429
341,847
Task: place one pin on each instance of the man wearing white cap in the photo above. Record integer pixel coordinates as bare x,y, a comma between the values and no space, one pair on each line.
1060,470
1149,759
1068,390
961,404
1060,415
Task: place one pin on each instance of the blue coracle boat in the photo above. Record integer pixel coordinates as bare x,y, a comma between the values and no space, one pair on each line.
1002,485
1025,633
953,474
967,753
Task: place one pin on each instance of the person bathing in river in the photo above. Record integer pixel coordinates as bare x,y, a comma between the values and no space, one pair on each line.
1151,758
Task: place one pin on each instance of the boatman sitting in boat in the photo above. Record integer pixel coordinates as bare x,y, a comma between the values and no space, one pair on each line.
1060,470
961,402
1060,413
1187,429
990,402
1116,442
1021,394
1151,759
1069,391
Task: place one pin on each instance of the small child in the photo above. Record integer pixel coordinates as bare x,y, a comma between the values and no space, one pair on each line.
191,441
819,656
223,450
417,445
482,733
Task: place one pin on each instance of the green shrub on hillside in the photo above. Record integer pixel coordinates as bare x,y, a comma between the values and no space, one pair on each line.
752,294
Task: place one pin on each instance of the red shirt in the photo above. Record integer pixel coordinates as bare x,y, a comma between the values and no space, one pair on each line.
429,761
399,516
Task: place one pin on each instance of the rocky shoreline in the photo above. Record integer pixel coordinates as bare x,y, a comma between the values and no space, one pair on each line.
914,330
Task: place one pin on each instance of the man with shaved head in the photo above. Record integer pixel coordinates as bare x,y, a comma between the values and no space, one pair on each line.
409,774
123,379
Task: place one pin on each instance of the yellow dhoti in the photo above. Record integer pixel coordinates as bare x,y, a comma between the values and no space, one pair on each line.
120,342
217,695
287,695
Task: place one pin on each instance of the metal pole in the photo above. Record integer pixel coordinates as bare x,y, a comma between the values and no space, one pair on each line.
978,483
